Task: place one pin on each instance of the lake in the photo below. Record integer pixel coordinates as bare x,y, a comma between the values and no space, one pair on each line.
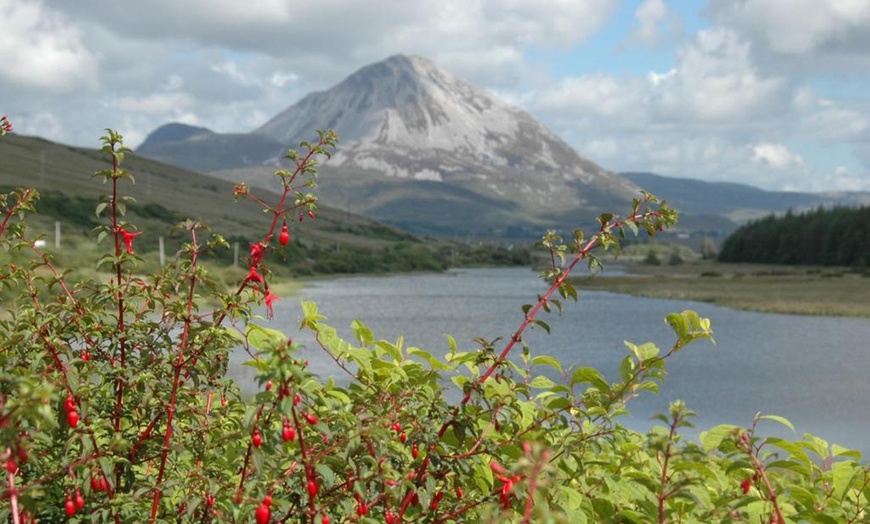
811,370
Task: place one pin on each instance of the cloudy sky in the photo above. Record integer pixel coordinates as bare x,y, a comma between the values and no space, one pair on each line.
775,93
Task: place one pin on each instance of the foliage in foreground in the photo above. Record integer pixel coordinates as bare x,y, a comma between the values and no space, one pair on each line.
115,405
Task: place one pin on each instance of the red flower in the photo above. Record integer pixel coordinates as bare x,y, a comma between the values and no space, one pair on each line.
5,125
253,276
240,189
505,492
270,299
128,239
257,252
745,485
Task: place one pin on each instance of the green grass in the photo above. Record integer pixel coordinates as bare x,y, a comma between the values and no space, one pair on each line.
753,287
163,193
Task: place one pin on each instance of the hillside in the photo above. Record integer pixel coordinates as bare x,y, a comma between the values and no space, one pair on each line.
171,194
201,150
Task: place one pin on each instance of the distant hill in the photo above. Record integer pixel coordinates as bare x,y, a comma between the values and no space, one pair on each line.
201,150
738,202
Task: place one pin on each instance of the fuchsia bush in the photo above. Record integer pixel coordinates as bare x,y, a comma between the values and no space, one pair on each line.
115,406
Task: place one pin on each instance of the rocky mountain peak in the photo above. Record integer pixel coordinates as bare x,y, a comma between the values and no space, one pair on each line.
405,117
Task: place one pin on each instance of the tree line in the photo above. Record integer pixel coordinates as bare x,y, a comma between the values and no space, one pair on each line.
827,237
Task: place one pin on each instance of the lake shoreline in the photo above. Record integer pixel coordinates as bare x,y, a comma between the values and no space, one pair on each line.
795,290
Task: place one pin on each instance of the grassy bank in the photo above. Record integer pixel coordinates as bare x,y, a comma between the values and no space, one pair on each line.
776,289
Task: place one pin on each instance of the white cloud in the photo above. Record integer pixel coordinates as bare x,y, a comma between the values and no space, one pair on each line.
657,78
838,179
157,104
654,23
714,82
843,180
598,94
282,79
795,27
829,120
777,156
42,49
602,149
649,15
717,82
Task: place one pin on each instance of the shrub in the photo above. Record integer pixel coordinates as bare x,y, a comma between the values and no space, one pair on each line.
115,406
652,258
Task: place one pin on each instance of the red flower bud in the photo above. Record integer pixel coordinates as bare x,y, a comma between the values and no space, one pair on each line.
263,514
284,237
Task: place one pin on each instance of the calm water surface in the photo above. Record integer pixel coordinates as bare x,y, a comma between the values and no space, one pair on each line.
811,370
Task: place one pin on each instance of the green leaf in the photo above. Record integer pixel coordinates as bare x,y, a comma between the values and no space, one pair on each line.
451,343
840,451
803,496
542,324
433,362
542,382
392,350
776,418
262,337
544,360
643,352
234,333
711,439
815,444
591,376
688,326
362,333
843,474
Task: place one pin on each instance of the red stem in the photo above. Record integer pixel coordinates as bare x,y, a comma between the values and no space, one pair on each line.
13,494
122,342
10,211
176,381
527,321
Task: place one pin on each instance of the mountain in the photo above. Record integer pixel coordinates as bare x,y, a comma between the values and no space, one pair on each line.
203,150
421,148
406,118
739,202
